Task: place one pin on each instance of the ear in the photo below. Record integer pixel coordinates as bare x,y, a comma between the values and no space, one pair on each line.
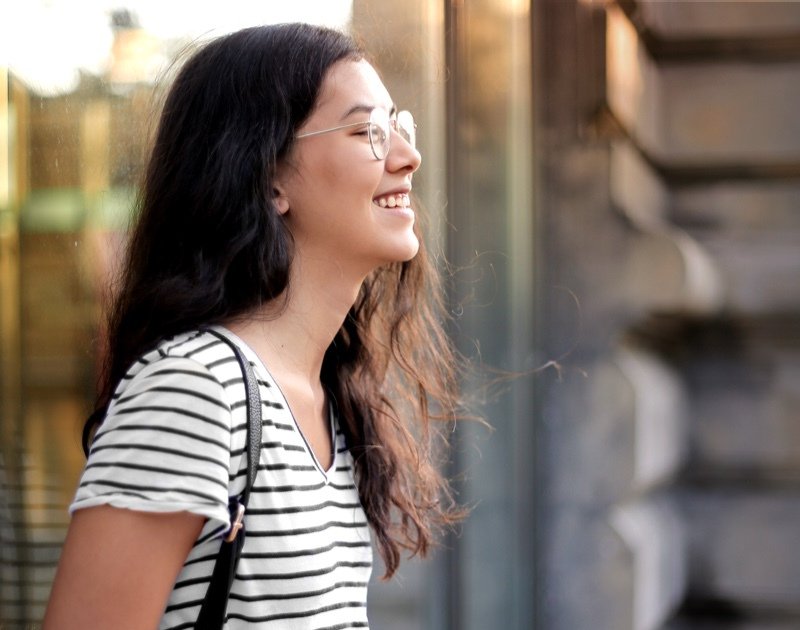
279,192
281,200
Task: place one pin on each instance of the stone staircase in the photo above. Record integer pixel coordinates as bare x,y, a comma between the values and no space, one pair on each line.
673,462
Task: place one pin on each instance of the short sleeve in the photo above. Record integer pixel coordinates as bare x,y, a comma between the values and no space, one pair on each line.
164,445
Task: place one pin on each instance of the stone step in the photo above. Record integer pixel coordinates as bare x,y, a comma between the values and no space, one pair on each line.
737,207
617,569
732,246
635,438
667,270
744,389
654,533
742,547
702,113
752,232
749,624
703,20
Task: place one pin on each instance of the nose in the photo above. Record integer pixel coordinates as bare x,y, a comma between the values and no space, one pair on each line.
402,157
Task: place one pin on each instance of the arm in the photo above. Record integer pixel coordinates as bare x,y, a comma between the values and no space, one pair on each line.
118,568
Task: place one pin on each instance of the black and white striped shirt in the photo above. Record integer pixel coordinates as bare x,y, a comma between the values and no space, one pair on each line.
173,440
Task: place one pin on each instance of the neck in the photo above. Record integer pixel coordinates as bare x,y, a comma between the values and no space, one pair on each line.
292,334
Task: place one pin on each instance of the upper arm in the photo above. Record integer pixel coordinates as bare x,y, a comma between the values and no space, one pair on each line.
158,471
118,568
165,444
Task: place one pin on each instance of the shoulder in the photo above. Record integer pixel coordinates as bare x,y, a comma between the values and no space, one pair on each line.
198,359
206,348
189,377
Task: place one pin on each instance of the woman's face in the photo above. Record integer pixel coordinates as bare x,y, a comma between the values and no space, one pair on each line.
335,194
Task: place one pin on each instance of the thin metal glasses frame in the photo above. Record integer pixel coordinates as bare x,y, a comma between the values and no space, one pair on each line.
379,149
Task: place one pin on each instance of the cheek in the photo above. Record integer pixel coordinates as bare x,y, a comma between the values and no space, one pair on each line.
346,158
342,172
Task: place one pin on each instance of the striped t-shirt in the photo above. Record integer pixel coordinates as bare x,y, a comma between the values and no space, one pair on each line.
173,440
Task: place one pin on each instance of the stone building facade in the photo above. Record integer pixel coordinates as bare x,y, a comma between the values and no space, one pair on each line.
669,143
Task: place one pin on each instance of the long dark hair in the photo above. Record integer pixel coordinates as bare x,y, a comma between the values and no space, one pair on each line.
209,245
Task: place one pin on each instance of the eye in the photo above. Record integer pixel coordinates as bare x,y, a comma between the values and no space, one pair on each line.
378,133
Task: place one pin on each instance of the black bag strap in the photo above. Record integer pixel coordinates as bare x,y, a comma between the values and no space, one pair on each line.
215,604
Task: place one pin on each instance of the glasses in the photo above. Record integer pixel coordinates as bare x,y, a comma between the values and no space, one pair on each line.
379,129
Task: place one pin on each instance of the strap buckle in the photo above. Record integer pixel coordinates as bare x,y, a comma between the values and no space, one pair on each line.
236,523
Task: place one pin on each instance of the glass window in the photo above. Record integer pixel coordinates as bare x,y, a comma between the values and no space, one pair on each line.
492,245
78,98
77,103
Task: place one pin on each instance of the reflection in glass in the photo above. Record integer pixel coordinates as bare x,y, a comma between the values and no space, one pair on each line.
76,101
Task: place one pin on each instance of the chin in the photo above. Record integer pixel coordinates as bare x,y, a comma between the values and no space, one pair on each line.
399,254
398,249
409,251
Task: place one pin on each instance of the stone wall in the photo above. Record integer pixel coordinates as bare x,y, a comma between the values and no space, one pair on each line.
671,224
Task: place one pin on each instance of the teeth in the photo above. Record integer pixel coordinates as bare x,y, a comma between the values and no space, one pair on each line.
394,201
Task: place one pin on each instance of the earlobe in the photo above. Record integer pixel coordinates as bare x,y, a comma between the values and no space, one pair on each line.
281,201
279,197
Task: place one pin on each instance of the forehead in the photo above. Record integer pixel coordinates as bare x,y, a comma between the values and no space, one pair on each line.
350,83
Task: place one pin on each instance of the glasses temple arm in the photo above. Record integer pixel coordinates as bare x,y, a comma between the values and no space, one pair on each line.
321,131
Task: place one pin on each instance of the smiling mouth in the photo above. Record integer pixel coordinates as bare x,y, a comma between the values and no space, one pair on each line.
399,200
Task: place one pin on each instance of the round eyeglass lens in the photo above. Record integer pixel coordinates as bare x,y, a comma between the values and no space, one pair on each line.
406,127
379,133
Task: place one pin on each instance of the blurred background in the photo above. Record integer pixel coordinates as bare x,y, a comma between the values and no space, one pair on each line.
612,189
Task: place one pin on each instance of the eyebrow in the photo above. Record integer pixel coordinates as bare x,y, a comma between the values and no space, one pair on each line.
360,107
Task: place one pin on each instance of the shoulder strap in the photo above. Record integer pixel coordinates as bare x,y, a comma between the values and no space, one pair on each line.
212,612
253,420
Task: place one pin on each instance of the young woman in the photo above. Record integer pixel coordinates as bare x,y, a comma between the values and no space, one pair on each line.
275,211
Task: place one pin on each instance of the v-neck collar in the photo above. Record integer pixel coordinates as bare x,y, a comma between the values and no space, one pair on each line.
254,358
